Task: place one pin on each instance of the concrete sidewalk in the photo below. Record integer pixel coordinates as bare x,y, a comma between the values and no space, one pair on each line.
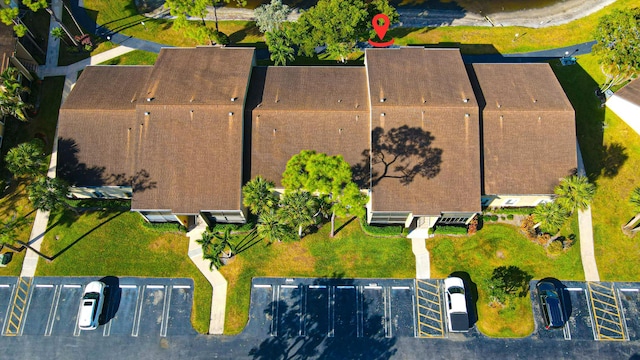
586,233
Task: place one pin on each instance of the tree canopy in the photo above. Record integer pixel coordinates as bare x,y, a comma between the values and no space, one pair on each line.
11,103
329,176
618,44
269,17
183,10
26,159
49,194
574,192
258,196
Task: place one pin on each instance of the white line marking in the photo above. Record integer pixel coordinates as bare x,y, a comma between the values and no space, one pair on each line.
6,316
165,314
44,285
155,286
261,286
52,312
566,331
288,286
303,310
591,314
26,311
631,290
181,287
575,289
372,287
317,287
128,286
137,315
71,286
623,320
401,287
345,286
274,310
330,313
386,295
4,285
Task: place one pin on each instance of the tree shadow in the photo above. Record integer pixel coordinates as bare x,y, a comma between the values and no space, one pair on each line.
401,153
613,157
344,225
84,235
512,280
76,173
299,325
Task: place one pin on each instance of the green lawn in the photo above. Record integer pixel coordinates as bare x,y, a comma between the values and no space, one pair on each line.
501,245
137,57
116,243
611,152
350,254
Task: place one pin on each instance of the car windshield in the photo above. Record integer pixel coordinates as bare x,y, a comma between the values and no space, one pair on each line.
91,295
456,290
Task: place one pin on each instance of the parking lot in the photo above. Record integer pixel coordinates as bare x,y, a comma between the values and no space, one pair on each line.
332,308
133,307
602,311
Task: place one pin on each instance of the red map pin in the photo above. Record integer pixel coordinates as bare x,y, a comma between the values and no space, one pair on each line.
381,30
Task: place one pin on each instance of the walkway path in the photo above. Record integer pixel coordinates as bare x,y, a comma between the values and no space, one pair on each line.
586,233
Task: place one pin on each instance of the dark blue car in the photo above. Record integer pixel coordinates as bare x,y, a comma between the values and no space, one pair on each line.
551,304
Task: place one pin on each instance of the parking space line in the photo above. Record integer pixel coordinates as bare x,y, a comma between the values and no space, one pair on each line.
6,316
155,286
413,307
330,313
261,286
128,286
303,310
181,287
26,311
137,315
52,311
372,287
288,286
387,312
4,285
624,319
275,294
44,285
401,287
317,287
591,315
630,290
165,312
575,289
359,312
566,331
71,286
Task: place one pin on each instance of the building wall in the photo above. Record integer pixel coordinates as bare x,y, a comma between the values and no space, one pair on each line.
627,111
101,192
514,200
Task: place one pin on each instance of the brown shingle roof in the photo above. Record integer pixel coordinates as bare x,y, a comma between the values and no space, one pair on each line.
530,140
424,92
193,158
631,92
202,75
109,88
96,129
418,77
318,108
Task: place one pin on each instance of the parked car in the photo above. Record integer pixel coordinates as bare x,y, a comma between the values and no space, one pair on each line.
456,303
551,303
91,305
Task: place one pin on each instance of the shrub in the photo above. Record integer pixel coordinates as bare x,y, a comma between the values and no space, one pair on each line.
382,230
220,38
494,217
555,247
527,227
510,216
450,230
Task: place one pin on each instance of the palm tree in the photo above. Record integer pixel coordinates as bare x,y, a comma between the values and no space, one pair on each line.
279,47
26,159
270,228
550,217
11,103
228,249
49,194
298,209
574,193
635,202
258,195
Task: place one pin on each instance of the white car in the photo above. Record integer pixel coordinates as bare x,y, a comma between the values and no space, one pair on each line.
91,305
456,303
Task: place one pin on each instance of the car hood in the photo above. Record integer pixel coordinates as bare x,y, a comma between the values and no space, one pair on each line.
458,303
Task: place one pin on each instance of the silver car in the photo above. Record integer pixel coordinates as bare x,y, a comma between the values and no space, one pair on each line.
91,305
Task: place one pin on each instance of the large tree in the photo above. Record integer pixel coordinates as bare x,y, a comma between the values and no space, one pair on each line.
269,17
217,247
329,176
634,200
618,45
49,194
258,195
271,229
574,192
298,209
338,25
280,47
11,90
26,159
